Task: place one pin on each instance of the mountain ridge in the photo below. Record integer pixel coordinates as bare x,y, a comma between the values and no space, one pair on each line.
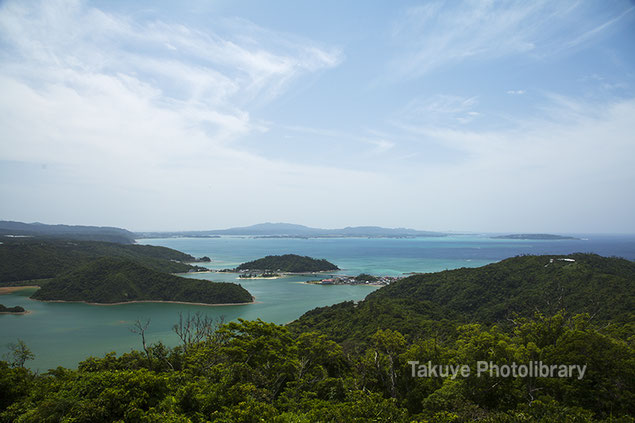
281,229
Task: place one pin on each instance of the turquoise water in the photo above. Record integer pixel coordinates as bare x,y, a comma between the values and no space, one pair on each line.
65,333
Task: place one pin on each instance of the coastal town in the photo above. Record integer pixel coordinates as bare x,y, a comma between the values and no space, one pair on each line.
362,279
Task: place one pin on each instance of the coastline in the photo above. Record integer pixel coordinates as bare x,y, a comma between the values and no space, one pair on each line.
260,277
340,284
281,275
149,301
10,289
22,313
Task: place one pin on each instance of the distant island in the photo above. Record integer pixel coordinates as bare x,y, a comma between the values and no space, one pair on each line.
542,237
114,280
12,310
290,263
289,230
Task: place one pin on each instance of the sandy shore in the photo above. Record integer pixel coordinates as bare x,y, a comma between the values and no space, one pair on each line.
10,289
148,301
17,314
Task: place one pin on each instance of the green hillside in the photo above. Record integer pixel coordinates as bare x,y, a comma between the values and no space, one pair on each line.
289,263
253,371
27,259
112,280
421,304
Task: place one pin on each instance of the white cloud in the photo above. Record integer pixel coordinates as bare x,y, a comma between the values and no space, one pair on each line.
380,146
135,113
88,79
566,174
439,110
515,92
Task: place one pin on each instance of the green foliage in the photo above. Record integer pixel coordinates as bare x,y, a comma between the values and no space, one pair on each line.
19,353
421,305
365,277
16,309
111,280
27,259
253,371
288,263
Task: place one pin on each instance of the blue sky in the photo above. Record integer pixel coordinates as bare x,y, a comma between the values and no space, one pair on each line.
465,116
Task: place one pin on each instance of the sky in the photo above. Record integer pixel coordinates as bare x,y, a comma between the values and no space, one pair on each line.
483,116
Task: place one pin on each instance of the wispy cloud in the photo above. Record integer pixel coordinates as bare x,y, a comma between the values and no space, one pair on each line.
585,36
148,108
444,33
439,110
66,59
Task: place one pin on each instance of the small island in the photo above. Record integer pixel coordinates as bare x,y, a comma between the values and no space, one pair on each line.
113,281
12,310
203,259
539,237
287,263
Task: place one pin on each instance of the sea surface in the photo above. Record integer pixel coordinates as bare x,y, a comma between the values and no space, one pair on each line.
62,334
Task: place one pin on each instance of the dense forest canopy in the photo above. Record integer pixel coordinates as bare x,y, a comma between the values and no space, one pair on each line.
521,286
112,280
353,362
288,263
29,259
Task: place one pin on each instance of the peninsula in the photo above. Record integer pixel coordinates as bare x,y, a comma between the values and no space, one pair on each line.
12,310
31,259
113,280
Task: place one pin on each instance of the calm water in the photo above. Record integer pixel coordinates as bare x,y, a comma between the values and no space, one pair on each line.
63,334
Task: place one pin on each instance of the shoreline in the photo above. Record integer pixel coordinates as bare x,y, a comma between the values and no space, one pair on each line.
21,313
341,284
281,274
149,301
259,277
10,289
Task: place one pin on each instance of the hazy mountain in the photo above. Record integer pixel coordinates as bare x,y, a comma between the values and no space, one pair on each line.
292,230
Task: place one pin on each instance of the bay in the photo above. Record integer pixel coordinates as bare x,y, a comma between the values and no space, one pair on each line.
66,333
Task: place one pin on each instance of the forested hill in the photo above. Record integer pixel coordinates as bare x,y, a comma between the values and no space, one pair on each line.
289,263
26,259
82,233
578,283
112,280
250,371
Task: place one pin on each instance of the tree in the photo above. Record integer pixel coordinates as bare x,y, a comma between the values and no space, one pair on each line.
140,329
196,328
19,353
